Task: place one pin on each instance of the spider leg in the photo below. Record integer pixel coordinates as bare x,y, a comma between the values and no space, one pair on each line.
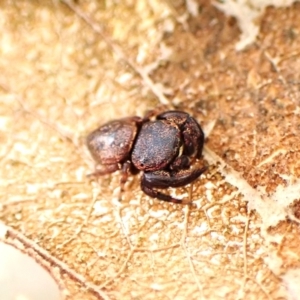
108,169
161,196
193,138
164,179
180,162
124,176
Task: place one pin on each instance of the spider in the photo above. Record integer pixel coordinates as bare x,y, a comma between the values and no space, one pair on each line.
163,149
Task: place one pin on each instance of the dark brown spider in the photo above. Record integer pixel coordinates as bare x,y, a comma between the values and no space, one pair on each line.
163,149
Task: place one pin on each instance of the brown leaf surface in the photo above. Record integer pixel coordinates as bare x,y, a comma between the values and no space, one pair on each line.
65,69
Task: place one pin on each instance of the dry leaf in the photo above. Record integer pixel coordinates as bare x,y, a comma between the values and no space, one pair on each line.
68,67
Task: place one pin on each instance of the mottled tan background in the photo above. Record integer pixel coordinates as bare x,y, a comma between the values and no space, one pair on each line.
65,70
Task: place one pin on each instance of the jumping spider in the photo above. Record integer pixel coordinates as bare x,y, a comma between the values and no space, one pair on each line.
163,149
